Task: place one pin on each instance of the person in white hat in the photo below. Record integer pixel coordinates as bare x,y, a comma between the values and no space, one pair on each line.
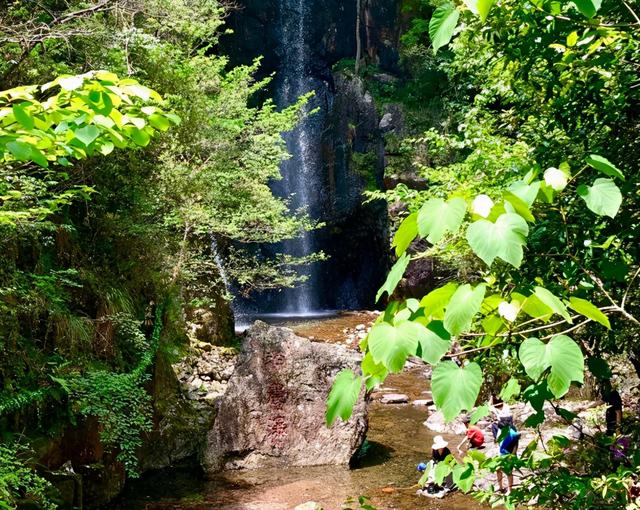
439,449
439,452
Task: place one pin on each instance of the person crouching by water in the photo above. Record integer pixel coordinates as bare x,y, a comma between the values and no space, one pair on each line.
474,435
439,452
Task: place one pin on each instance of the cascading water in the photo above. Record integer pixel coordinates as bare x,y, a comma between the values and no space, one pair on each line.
300,182
300,41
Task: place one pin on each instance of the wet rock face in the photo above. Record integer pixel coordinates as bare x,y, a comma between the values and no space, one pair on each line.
272,414
331,37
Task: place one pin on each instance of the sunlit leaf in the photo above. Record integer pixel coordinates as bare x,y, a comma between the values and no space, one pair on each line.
463,307
552,302
343,396
406,233
455,388
562,355
394,276
503,239
442,25
605,166
437,217
392,345
589,310
603,197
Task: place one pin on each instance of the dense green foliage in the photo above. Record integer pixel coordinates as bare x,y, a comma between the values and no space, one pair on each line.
533,197
130,153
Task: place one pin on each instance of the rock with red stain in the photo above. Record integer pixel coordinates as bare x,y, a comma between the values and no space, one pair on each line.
273,412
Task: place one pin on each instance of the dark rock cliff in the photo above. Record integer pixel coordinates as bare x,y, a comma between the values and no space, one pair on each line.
351,150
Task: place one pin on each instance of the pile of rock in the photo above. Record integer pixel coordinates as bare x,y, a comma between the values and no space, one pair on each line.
205,377
353,336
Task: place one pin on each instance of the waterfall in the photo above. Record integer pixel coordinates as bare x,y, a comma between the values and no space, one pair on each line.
300,173
218,260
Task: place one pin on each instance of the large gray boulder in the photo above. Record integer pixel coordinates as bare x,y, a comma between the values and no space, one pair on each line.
272,414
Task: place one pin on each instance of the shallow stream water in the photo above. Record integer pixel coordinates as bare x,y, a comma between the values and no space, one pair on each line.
396,442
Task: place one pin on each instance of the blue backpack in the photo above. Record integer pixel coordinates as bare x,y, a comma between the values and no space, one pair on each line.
509,441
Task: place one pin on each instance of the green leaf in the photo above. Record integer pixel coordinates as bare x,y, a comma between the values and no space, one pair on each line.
20,150
533,307
392,345
599,368
442,25
343,396
561,354
462,308
407,232
436,217
479,413
23,117
106,148
503,239
455,388
87,134
159,122
464,476
480,7
375,373
605,166
435,342
38,157
589,310
552,302
589,8
394,276
510,390
435,302
603,197
442,470
139,136
520,206
526,192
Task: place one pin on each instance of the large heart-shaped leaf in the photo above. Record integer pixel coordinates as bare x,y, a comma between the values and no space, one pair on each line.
561,354
87,134
455,388
406,233
343,396
442,25
589,310
503,239
434,343
391,345
394,276
605,166
463,307
436,217
603,197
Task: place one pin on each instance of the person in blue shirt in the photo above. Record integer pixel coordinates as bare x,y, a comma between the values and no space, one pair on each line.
505,431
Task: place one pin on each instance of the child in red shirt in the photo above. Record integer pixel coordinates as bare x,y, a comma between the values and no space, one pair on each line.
474,435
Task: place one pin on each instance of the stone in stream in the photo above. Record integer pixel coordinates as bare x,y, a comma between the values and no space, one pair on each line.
273,412
394,398
309,505
436,423
422,402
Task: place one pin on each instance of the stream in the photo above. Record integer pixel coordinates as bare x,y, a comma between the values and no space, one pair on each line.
386,470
